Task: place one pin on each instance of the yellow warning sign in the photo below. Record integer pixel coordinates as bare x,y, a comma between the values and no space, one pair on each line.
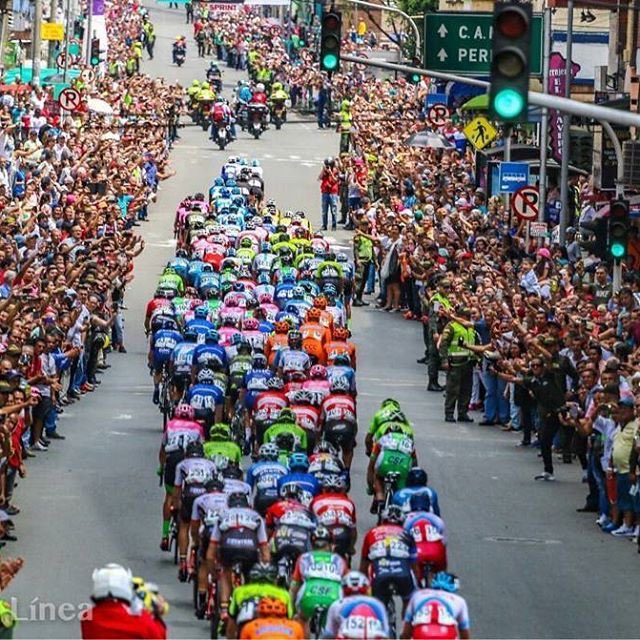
52,31
480,132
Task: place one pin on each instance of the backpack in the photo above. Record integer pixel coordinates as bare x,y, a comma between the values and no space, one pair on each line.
218,113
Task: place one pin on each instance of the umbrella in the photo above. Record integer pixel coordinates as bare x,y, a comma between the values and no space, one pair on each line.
99,106
477,103
428,139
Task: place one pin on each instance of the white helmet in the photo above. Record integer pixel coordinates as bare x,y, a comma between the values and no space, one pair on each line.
260,87
112,581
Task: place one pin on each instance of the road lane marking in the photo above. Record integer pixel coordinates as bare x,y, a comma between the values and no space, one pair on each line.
511,540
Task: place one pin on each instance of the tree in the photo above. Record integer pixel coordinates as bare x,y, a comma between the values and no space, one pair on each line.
416,7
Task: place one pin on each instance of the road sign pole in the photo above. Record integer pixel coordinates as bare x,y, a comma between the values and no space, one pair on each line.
544,123
67,37
566,130
36,43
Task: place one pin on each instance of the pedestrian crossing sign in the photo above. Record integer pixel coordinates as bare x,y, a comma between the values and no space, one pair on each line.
480,132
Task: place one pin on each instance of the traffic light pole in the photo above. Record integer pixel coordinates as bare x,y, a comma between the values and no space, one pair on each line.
544,122
36,43
89,30
566,130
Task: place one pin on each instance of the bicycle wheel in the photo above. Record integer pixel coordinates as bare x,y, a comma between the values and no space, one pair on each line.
214,612
391,612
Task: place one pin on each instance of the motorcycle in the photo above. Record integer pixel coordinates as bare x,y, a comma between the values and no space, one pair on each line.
221,135
256,119
278,113
202,114
216,83
180,56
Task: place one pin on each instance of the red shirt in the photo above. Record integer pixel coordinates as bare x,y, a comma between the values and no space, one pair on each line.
329,182
339,407
334,509
113,619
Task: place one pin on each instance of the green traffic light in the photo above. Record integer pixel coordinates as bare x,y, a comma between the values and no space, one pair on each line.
415,78
617,250
329,61
508,104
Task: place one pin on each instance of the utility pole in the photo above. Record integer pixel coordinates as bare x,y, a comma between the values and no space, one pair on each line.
36,42
4,30
566,130
88,34
67,39
544,123
53,5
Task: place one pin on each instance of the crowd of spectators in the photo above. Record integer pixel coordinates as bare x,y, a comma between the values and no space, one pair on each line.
74,187
553,349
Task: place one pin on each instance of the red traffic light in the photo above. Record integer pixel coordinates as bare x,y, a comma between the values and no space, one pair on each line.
331,22
618,209
512,22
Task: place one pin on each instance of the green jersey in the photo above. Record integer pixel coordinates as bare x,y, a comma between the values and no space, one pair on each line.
299,434
243,605
382,415
321,575
238,366
405,429
222,452
171,281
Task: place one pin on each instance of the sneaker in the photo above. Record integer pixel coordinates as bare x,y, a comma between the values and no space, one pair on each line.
546,476
610,527
38,446
623,532
156,396
603,521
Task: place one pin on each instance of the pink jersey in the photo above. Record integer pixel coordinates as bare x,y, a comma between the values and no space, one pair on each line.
226,335
179,433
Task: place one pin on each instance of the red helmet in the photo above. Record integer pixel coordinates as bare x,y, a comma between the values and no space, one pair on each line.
184,412
318,372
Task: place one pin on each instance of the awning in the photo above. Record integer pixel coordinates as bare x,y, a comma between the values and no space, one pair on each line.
478,103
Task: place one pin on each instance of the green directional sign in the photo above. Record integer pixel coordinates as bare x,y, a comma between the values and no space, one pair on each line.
460,43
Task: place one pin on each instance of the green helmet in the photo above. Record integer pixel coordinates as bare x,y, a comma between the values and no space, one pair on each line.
195,83
345,104
277,86
220,431
390,402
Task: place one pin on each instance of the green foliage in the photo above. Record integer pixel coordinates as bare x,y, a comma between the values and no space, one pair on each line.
415,7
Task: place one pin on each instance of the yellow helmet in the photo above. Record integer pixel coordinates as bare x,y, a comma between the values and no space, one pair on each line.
150,597
277,86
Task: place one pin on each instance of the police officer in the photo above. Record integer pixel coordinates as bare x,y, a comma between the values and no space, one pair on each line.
458,360
439,304
344,125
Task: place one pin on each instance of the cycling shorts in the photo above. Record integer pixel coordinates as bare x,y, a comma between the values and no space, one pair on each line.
290,541
238,545
181,382
186,502
170,465
341,537
263,501
340,433
397,576
159,360
316,593
393,461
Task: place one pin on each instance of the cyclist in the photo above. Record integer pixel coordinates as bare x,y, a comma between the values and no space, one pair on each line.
286,424
181,430
192,474
272,623
221,449
388,412
208,353
388,557
317,386
429,533
307,415
317,576
263,477
239,366
356,616
341,368
325,461
299,477
267,407
163,342
293,363
233,482
182,362
394,452
204,514
315,336
340,345
335,510
437,612
417,480
338,415
239,536
207,397
244,604
277,341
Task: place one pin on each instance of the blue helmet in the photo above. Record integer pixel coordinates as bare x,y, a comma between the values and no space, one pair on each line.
298,462
330,289
225,193
201,312
231,182
212,336
445,582
218,182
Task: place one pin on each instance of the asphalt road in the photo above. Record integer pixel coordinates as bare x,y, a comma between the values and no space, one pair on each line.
530,566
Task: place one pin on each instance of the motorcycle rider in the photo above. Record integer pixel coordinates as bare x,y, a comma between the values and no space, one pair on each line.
179,47
277,99
221,115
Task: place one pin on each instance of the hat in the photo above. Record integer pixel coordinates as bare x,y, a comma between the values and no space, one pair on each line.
543,252
13,350
626,401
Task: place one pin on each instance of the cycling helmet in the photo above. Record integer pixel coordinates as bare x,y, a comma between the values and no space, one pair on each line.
194,450
275,383
395,415
299,462
314,314
215,484
331,256
340,333
294,340
354,583
340,385
330,290
190,334
320,302
268,451
342,257
212,336
321,536
445,582
285,441
220,431
218,182
238,500
232,471
263,572
260,87
250,324
420,502
272,607
246,243
290,492
326,447
334,482
393,514
201,312
282,326
259,361
417,477
301,396
184,412
265,298
206,376
298,292
286,415
168,271
318,372
342,360
167,294
390,402
231,182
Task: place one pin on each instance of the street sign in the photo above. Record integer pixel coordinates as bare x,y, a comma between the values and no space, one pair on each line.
438,115
480,132
69,99
60,58
436,98
87,75
538,229
461,42
525,203
52,31
513,175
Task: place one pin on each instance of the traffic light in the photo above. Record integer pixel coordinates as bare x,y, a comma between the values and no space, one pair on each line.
412,77
594,237
508,100
330,37
619,224
94,57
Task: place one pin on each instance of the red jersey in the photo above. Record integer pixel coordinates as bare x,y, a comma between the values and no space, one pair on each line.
278,509
268,405
336,348
259,97
113,619
154,304
338,407
388,541
307,416
334,510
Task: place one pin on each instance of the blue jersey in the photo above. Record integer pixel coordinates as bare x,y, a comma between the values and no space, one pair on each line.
206,280
283,293
402,497
307,484
266,326
310,286
205,354
255,381
195,267
163,343
301,306
204,396
182,357
334,372
263,477
181,266
201,326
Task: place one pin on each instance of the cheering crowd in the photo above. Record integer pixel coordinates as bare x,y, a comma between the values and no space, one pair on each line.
73,189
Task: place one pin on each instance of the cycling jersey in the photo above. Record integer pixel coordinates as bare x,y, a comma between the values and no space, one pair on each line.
163,342
222,452
273,345
192,474
403,427
255,381
381,416
320,573
314,338
346,373
179,433
268,405
295,364
204,397
357,617
298,433
334,510
238,367
207,508
429,534
272,629
402,497
243,605
429,609
307,417
239,531
200,326
289,512
338,407
206,354
335,348
306,483
319,390
394,452
263,478
324,464
255,338
233,485
182,357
